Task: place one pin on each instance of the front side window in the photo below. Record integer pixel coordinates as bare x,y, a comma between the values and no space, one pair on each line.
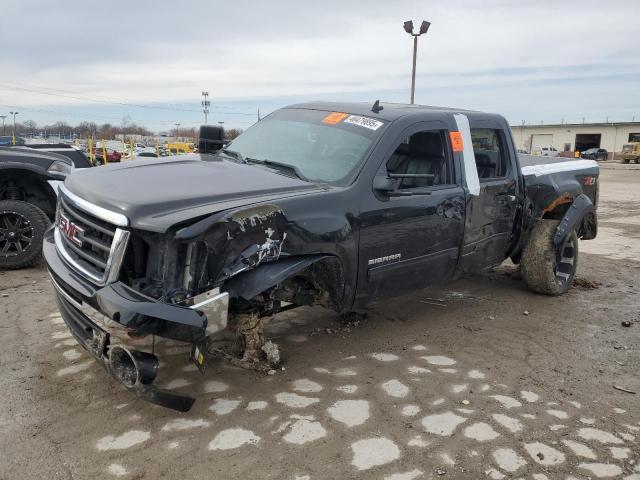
425,153
323,146
489,151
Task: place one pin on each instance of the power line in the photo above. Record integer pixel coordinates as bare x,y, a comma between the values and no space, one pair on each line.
114,99
84,117
108,102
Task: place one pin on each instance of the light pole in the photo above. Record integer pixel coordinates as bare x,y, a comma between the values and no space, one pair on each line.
205,106
14,125
177,130
408,27
3,117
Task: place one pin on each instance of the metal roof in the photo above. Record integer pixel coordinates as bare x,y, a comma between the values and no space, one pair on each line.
567,125
390,111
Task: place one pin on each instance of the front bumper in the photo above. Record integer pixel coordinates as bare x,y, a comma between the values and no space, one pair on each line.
97,342
94,314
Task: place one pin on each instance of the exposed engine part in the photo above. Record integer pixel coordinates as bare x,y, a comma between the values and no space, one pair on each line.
272,352
250,336
251,351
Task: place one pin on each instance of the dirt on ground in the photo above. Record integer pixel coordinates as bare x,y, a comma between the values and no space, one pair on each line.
480,379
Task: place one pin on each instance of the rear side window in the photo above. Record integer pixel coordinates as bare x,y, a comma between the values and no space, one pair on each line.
488,147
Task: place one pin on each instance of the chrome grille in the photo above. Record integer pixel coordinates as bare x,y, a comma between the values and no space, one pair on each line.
87,238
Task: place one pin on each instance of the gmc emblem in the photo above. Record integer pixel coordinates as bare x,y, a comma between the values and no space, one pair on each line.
70,230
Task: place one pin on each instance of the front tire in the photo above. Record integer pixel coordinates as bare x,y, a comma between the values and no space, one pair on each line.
22,227
545,268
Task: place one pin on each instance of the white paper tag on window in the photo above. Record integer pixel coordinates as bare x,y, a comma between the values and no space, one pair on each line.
366,122
468,156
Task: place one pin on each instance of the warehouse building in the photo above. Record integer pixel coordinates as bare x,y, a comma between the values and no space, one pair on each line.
569,137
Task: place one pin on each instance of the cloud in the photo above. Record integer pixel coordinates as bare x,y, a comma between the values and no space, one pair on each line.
263,53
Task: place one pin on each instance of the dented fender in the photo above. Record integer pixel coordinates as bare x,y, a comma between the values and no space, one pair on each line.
581,209
247,285
239,239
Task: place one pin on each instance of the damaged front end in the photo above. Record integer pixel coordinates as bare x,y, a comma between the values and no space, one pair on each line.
107,320
195,284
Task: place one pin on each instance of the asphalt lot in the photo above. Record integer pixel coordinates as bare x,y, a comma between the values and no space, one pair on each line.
481,379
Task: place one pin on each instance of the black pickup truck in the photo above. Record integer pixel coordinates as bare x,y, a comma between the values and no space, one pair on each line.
331,204
29,181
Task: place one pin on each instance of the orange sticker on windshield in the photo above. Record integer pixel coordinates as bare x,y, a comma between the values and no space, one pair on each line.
334,117
456,141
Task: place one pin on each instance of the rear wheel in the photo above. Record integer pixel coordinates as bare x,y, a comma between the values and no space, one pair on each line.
22,227
545,268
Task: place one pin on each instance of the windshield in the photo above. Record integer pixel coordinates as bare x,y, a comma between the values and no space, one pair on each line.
322,146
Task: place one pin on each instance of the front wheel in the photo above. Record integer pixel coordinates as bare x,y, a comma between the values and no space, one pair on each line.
545,268
22,227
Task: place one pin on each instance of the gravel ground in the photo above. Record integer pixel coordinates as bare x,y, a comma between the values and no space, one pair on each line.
481,379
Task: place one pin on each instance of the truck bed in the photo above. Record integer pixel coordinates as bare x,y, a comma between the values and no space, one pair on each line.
551,181
530,160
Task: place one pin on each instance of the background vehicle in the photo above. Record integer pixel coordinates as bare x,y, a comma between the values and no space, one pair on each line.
113,156
29,181
631,152
146,152
595,154
77,156
180,147
329,204
545,151
7,140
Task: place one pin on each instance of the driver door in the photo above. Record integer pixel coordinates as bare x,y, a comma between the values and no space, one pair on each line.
412,238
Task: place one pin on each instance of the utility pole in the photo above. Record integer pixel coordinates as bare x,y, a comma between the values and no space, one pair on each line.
3,117
14,125
205,106
408,27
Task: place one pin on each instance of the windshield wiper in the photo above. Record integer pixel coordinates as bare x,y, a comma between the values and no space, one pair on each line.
279,166
233,154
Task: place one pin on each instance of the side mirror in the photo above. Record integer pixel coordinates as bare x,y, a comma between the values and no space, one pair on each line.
389,186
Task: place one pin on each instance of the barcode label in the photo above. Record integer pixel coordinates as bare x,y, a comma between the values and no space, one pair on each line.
365,122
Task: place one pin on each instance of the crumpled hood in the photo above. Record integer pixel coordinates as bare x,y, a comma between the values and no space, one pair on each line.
155,194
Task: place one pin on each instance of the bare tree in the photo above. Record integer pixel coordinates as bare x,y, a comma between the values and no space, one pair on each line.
232,133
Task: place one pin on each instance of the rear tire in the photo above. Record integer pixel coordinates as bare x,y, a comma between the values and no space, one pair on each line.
22,227
546,269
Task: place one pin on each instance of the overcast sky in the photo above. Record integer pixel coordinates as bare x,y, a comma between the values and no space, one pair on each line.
529,60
